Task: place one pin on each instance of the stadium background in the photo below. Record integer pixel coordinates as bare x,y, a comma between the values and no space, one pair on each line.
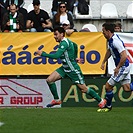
19,85
121,6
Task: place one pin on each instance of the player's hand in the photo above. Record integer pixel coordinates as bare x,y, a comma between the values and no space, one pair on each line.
38,52
102,66
116,71
80,60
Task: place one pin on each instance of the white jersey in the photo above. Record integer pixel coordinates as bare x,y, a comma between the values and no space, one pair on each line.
116,46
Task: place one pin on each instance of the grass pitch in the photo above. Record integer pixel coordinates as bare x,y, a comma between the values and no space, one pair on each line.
66,120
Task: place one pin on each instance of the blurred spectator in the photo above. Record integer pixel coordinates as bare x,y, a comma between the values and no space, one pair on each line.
12,20
62,16
3,9
118,27
85,30
20,4
38,20
88,28
66,26
69,5
83,7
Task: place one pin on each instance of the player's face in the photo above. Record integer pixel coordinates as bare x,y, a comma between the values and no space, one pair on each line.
58,36
106,33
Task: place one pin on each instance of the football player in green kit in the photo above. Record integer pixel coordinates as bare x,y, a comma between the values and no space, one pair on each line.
67,52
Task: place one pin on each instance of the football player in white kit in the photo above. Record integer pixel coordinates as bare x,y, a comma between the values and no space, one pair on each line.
121,73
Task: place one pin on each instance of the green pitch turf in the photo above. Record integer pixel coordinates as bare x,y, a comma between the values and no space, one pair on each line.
66,120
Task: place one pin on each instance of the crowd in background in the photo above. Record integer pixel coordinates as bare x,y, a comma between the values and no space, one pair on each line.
15,18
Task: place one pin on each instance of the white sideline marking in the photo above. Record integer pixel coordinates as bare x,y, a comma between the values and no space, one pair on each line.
1,123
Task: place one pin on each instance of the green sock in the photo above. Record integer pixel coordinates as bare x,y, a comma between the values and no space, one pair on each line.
53,90
93,94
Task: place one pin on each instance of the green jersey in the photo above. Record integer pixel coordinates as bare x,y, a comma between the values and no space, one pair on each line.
67,52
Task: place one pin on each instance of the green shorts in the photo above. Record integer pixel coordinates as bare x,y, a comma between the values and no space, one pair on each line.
75,76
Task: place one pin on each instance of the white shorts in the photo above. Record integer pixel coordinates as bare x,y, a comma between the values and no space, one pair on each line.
123,76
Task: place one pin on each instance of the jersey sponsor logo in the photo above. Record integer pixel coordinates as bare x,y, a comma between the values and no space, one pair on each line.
62,47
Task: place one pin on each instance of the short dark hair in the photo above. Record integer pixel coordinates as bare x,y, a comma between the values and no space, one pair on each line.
109,26
36,2
59,29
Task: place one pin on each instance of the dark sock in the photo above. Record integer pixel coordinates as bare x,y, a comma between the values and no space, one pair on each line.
109,95
131,86
93,94
53,90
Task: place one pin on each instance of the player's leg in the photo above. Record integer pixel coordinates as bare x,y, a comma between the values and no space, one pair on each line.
128,87
108,96
93,94
51,83
56,75
77,78
131,86
121,76
89,91
109,92
126,81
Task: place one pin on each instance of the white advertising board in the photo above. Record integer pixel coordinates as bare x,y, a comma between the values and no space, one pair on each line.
26,93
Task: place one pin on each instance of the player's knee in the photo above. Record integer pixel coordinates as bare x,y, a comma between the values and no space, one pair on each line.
126,88
48,80
83,91
108,87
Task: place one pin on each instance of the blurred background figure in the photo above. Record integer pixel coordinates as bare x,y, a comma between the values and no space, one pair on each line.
118,27
3,10
61,16
89,28
66,26
38,20
69,6
13,20
19,4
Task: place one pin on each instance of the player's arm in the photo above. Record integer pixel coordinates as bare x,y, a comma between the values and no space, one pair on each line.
55,55
123,56
79,60
75,50
122,51
107,55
